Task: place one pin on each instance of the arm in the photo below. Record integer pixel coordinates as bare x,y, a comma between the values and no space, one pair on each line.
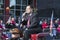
23,21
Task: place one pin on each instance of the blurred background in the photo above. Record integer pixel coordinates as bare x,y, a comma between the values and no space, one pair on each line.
14,8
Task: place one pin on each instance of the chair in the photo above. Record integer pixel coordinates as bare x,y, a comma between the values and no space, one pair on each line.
39,35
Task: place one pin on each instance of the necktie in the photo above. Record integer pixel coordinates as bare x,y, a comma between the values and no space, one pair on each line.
28,22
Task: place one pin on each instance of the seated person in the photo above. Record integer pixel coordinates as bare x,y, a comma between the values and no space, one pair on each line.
32,23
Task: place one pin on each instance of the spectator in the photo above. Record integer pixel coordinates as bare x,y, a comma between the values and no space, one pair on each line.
2,25
56,23
11,23
58,28
44,25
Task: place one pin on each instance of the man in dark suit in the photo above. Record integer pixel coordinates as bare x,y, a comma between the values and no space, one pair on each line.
33,24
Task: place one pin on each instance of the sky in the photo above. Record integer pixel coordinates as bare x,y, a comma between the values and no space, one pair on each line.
12,3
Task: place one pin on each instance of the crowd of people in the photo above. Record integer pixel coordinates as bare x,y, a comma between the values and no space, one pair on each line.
30,24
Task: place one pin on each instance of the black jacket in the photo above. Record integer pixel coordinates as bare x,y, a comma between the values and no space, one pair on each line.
34,21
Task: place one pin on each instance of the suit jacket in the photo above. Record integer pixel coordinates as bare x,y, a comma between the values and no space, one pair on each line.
34,20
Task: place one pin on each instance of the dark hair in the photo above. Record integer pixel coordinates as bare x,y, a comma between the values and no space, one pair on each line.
30,6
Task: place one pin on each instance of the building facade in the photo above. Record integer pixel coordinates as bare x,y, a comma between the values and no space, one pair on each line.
16,10
1,9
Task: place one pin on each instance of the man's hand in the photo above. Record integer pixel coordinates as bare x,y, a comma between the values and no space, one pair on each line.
26,29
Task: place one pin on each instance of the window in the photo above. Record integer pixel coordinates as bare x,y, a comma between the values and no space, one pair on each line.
1,1
18,1
24,2
12,11
23,7
12,7
1,12
0,6
17,7
17,13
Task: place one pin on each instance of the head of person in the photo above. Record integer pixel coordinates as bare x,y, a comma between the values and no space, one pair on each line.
59,25
56,21
12,19
1,21
45,21
28,9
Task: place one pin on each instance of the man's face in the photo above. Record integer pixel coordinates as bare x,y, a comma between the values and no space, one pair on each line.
28,9
13,19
